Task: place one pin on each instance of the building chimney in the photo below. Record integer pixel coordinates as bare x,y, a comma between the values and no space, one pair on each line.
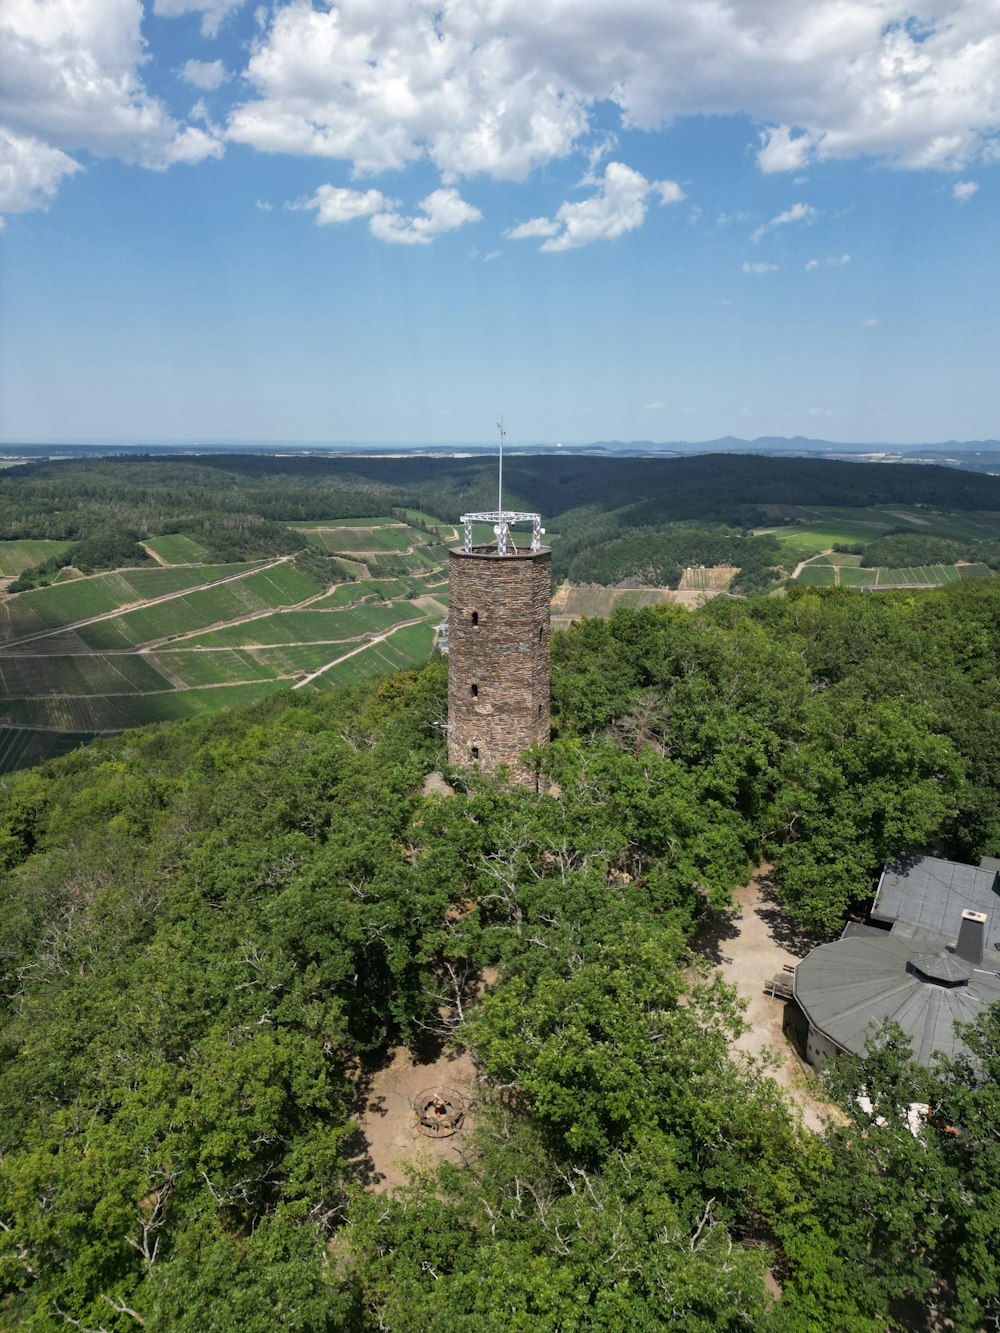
970,937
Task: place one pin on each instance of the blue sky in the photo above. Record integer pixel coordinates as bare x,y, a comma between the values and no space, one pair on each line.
392,221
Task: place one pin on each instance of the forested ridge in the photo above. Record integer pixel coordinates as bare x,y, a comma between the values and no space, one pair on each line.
692,511
211,930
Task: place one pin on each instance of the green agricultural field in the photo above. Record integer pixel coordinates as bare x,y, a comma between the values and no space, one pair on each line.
176,549
917,576
818,576
20,747
186,669
802,541
299,659
375,539
349,539
852,577
346,594
17,556
25,676
819,528
345,523
397,566
259,592
118,713
822,574
407,647
293,627
415,515
160,582
67,603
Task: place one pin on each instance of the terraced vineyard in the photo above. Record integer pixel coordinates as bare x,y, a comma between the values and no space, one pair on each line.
93,655
17,556
824,573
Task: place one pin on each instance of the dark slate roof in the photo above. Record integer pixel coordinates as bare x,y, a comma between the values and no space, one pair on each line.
851,986
932,894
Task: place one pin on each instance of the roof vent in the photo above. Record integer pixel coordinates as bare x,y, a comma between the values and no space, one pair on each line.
944,969
970,937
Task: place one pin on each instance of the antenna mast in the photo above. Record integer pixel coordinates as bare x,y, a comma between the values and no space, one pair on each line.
501,521
501,525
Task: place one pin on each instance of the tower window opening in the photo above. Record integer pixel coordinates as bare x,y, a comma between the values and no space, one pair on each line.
475,751
475,691
475,617
541,630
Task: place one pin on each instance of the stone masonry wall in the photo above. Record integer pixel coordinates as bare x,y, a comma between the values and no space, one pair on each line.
498,655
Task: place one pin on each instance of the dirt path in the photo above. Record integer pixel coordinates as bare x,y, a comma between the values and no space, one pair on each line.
368,643
153,556
428,603
809,559
747,953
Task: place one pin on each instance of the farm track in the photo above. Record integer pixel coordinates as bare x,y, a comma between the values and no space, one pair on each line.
164,564
144,605
369,643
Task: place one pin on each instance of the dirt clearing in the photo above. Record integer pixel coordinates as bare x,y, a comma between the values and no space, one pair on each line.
749,944
389,1119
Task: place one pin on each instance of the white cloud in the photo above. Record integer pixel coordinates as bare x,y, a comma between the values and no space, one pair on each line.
263,206
71,82
870,323
759,268
190,145
334,204
381,86
213,12
30,172
207,74
617,206
964,190
654,407
782,150
443,210
525,231
797,213
832,261
504,86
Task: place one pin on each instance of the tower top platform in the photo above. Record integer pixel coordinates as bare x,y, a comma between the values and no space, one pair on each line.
502,519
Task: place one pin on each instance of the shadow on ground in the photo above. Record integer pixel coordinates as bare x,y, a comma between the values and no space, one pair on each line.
782,930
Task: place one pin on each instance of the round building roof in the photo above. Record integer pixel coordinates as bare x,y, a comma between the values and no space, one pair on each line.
849,988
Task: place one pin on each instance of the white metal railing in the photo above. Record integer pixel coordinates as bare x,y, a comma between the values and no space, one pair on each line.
502,520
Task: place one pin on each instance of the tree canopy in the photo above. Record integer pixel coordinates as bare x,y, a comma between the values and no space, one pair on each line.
206,928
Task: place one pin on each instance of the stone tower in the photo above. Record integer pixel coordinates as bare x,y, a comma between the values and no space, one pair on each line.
498,644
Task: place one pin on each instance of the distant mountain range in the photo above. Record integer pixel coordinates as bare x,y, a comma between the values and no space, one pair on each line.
974,455
803,447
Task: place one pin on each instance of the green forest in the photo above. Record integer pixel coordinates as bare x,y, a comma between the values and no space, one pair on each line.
699,510
214,931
